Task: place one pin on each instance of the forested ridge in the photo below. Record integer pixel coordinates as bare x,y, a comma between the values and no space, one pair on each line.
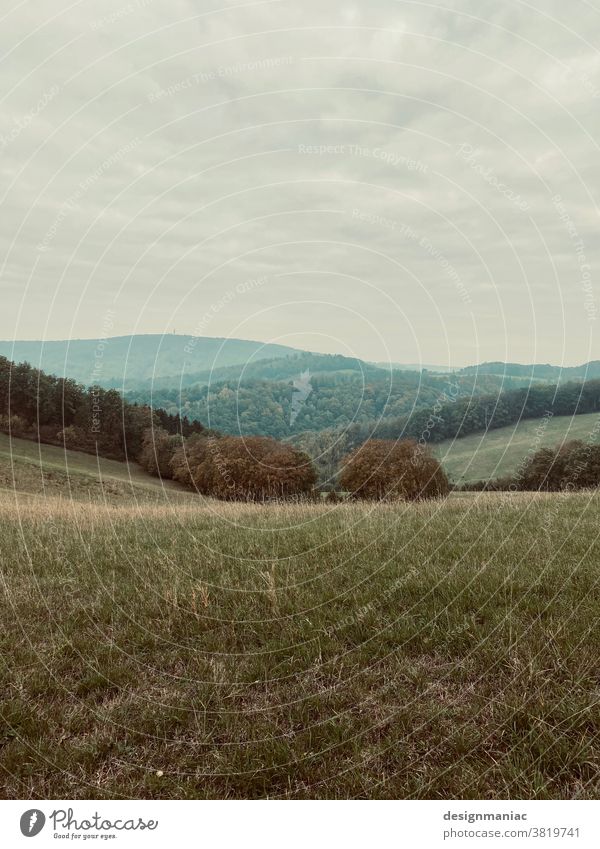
537,371
258,398
459,418
60,411
274,368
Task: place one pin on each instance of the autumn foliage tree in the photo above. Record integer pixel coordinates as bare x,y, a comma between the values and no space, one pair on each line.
236,468
188,463
382,469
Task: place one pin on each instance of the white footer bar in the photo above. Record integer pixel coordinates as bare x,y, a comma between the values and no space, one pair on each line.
298,825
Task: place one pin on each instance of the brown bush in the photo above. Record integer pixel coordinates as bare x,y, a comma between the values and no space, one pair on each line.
187,463
234,468
382,469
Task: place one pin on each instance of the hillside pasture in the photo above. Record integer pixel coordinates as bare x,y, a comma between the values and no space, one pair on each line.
482,456
211,650
31,467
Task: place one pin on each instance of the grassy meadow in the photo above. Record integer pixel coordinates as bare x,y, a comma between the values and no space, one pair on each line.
497,453
196,649
28,467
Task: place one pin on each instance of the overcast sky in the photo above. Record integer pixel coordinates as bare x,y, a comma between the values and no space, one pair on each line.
408,181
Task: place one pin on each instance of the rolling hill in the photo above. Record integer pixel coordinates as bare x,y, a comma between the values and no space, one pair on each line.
482,456
125,359
337,395
259,398
163,360
537,371
275,368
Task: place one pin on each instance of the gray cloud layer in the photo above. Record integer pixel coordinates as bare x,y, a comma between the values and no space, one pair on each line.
408,180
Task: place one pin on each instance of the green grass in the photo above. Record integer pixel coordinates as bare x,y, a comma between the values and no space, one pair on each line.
499,452
30,467
199,650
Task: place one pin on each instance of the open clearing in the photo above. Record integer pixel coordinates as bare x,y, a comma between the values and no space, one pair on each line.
209,650
499,452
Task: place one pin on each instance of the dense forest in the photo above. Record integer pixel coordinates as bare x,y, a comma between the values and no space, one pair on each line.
275,368
265,406
59,411
258,399
479,413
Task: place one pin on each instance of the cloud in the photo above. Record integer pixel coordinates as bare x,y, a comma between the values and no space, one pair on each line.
154,157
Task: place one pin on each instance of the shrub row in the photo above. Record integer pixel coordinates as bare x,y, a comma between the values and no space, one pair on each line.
259,468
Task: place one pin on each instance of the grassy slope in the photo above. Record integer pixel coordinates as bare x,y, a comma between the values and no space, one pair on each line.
28,467
436,650
499,452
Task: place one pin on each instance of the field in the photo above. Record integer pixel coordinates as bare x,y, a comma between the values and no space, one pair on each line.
209,650
29,467
499,452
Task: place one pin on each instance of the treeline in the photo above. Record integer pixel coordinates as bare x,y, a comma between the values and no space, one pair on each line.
454,416
59,411
260,468
34,405
274,369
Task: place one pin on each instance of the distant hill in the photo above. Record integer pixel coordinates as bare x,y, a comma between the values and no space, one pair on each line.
168,361
545,371
532,371
278,368
416,367
132,359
